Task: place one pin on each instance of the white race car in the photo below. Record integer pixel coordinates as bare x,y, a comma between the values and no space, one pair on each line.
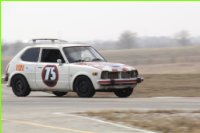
62,67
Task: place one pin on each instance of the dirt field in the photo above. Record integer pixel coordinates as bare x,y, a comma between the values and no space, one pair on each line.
156,85
173,68
164,121
147,56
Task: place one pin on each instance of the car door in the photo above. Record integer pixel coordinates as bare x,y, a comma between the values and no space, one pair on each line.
51,75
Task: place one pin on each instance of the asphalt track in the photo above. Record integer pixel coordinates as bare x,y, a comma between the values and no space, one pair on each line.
43,113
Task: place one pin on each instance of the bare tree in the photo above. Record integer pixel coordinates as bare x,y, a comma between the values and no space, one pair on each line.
127,40
183,37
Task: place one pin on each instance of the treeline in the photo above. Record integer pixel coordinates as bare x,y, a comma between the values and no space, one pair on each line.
130,39
127,40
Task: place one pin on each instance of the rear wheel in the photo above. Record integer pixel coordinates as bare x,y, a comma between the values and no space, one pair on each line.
20,86
124,92
59,94
84,87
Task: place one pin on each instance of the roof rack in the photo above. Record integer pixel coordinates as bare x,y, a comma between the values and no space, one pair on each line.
47,39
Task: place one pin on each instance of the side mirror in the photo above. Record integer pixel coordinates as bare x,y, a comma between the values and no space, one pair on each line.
59,61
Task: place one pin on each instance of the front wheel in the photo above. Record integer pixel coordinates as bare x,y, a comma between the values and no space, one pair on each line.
20,86
124,92
59,94
84,87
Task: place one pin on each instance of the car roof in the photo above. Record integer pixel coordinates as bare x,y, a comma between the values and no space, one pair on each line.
57,45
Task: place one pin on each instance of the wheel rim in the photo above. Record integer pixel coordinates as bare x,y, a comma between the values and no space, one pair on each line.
19,86
83,86
124,91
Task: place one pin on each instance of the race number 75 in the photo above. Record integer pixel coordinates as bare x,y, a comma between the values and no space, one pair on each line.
50,73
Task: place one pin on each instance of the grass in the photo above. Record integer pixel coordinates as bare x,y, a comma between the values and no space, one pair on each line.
154,55
156,85
173,68
165,121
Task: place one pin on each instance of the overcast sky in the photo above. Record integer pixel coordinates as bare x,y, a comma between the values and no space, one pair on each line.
85,21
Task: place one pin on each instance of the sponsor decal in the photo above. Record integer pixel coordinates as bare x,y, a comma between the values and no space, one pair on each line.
124,69
50,75
28,69
19,67
114,70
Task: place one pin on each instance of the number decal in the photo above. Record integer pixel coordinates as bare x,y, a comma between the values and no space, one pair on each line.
50,75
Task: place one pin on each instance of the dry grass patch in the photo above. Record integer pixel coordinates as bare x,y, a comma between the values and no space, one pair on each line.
165,121
157,85
154,55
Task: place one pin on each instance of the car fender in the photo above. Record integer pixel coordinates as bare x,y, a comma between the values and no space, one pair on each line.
86,71
13,74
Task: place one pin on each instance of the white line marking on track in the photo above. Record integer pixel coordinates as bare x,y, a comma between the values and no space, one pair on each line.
105,122
47,126
168,97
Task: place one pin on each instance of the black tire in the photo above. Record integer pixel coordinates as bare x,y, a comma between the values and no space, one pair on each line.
84,87
124,92
20,86
59,94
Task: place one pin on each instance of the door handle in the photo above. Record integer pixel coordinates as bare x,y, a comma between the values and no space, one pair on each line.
39,66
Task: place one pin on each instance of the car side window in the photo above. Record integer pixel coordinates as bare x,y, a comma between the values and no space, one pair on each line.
31,55
51,55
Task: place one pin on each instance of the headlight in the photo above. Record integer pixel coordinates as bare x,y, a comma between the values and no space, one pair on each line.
134,73
104,75
94,73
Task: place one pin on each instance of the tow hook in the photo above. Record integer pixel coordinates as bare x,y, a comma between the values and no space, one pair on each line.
140,79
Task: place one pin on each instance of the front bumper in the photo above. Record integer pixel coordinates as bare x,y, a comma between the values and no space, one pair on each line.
120,81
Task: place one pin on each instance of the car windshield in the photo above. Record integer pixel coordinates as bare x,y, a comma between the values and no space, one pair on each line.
82,54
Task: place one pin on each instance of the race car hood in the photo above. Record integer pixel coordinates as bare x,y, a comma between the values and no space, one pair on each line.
108,66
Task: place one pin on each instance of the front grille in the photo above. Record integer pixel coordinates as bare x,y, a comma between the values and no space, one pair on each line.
126,75
113,75
118,75
129,74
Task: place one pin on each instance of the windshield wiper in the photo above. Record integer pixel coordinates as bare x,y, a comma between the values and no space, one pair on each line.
96,59
79,60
